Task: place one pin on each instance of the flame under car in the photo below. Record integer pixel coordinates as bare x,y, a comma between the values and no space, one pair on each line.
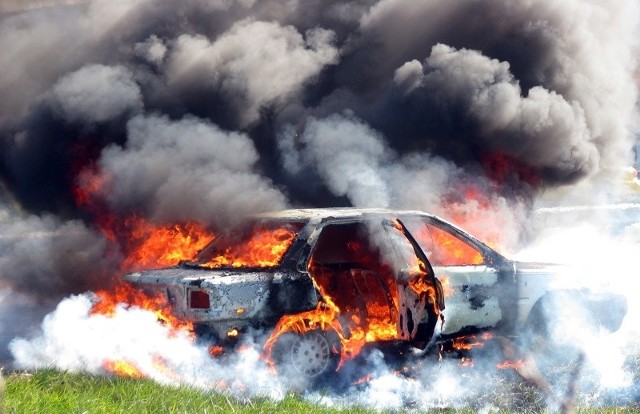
330,281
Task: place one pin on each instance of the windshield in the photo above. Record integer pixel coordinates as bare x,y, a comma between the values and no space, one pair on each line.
258,245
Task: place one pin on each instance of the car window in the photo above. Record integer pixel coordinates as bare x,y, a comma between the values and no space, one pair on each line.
257,245
401,252
443,248
343,245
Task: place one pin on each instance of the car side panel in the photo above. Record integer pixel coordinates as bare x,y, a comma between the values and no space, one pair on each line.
534,281
471,297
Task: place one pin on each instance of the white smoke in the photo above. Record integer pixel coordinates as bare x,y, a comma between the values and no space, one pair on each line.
349,156
353,160
42,259
153,50
73,339
596,243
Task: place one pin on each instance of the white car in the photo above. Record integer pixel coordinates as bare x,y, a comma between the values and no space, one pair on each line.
332,280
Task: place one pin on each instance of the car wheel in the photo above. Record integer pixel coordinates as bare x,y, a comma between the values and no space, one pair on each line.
311,355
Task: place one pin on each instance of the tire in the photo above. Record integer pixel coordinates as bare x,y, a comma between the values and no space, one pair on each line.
311,356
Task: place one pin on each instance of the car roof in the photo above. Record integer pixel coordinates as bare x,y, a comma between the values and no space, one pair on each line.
355,213
337,212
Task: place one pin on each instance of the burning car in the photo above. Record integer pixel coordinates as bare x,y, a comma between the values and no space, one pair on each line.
330,281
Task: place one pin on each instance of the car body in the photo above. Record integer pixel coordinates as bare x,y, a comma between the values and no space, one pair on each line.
376,267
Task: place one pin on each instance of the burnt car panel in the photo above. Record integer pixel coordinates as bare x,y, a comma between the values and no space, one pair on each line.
228,286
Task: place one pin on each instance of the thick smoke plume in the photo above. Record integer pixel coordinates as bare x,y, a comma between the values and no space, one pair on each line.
481,112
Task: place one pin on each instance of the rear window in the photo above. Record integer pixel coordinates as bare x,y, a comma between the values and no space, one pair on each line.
258,245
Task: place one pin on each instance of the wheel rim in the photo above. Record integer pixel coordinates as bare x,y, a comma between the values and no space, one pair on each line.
311,354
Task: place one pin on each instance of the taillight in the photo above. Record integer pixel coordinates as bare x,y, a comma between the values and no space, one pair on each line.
199,299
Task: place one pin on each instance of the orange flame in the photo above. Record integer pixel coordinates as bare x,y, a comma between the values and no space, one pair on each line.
466,362
479,211
161,246
325,317
215,351
125,295
128,296
363,380
125,368
264,248
511,364
447,290
353,332
89,183
122,368
468,342
148,245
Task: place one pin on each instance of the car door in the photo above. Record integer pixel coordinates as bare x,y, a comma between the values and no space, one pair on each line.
470,281
347,270
371,272
420,296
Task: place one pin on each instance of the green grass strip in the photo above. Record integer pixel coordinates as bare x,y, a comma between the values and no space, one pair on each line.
50,391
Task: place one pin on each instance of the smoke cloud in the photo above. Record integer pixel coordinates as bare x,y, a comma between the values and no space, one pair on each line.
250,75
541,128
74,341
347,155
96,93
44,255
186,169
550,87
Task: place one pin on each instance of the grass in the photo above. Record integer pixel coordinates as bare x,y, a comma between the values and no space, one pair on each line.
50,391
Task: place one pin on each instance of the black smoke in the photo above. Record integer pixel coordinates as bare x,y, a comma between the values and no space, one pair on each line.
550,86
